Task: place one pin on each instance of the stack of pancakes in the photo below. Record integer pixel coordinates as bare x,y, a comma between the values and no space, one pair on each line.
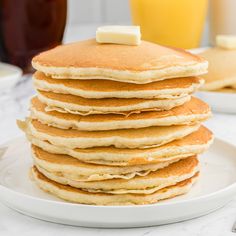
116,124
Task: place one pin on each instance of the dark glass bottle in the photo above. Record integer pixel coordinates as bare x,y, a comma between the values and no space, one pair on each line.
28,27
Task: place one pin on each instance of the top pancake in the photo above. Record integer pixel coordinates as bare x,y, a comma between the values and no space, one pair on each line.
172,88
140,64
222,72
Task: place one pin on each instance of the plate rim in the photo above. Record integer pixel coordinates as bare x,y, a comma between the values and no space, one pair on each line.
214,93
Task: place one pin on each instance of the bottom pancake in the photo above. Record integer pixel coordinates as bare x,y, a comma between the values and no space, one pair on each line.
72,194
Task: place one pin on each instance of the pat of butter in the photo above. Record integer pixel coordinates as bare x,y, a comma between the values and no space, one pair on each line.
117,34
226,41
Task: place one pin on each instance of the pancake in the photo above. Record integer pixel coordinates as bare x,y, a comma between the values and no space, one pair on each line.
126,138
189,113
64,165
71,194
193,144
77,105
226,90
154,181
222,72
141,64
167,89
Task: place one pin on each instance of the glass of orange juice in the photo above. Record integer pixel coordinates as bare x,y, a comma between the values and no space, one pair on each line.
177,23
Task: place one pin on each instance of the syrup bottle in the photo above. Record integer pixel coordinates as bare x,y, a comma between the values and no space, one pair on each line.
28,27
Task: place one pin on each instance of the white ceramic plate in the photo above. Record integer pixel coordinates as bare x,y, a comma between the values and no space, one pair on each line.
219,101
9,76
215,188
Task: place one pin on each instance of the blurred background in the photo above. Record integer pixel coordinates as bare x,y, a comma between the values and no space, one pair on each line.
28,27
87,15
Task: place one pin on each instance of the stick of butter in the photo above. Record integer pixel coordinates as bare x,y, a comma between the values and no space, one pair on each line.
117,34
226,41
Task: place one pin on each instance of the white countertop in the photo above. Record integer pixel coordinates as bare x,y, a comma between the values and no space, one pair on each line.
15,104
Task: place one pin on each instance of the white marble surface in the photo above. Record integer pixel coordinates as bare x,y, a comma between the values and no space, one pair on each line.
14,105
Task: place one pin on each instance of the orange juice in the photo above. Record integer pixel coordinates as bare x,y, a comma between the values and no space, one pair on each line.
177,23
